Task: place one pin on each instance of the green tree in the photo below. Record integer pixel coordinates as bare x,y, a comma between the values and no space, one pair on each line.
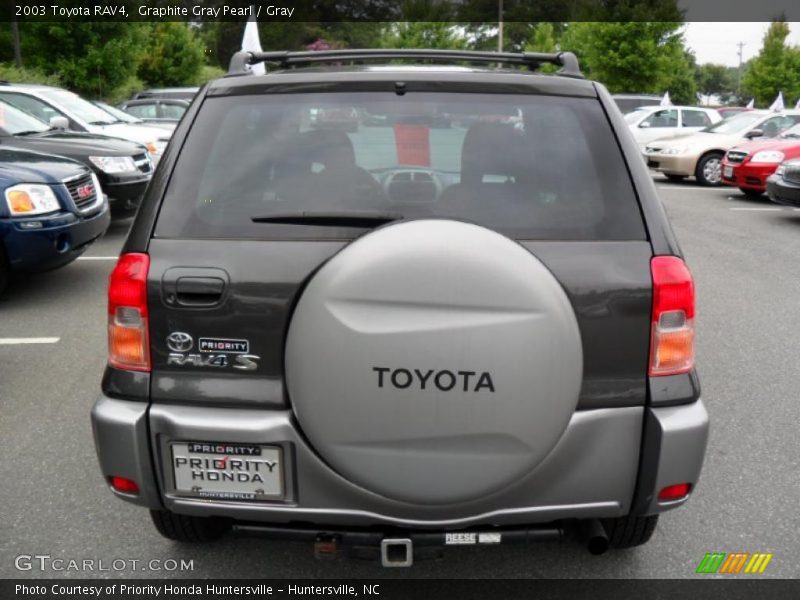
174,55
715,80
775,69
421,34
90,58
520,16
543,39
634,56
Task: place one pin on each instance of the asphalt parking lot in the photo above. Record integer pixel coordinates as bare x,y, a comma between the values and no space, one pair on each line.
744,255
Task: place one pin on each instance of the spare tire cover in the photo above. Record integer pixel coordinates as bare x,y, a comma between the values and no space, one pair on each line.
433,361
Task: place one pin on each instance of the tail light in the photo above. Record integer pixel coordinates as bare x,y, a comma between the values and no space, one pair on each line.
672,340
128,343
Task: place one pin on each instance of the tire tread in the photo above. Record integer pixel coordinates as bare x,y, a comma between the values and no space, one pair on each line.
630,531
184,528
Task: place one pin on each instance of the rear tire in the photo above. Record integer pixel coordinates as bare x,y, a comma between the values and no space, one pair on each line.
751,193
630,531
709,169
676,178
183,528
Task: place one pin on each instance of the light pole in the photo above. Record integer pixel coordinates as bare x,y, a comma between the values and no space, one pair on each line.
499,25
739,72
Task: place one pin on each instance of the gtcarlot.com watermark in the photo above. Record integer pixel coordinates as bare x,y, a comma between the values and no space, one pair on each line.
46,562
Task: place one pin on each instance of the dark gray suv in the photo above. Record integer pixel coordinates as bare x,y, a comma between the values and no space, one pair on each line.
458,316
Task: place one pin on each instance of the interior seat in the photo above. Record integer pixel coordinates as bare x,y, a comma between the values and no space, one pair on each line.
341,182
490,151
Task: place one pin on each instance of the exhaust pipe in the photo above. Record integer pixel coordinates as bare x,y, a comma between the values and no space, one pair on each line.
593,532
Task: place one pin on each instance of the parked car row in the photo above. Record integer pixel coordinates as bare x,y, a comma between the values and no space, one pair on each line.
123,168
700,154
756,151
64,109
65,165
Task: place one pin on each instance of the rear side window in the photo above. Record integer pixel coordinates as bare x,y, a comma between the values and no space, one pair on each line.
172,111
143,111
695,118
662,118
530,167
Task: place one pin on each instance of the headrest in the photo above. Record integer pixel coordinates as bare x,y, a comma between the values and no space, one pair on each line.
330,147
492,149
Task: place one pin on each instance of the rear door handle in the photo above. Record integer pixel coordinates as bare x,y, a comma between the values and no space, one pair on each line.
194,287
199,291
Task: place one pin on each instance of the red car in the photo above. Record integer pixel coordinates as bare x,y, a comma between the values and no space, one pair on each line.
748,165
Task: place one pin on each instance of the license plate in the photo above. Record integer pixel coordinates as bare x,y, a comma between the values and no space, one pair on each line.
727,172
227,471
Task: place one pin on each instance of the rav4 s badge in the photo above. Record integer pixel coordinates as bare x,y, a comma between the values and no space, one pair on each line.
243,362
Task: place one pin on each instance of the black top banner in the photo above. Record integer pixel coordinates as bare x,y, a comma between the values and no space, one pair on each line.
457,11
398,589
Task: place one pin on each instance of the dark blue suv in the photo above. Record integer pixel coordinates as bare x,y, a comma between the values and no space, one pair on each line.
51,210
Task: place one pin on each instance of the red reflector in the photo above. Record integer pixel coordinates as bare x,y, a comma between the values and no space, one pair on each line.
123,485
674,492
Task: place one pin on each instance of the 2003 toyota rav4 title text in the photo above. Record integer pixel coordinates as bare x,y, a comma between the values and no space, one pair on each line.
453,340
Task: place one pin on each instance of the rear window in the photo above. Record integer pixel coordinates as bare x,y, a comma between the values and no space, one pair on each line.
530,167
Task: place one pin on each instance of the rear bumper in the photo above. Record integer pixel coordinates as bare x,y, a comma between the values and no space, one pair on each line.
748,176
593,472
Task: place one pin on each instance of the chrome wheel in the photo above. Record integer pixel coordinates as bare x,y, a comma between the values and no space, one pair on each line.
710,170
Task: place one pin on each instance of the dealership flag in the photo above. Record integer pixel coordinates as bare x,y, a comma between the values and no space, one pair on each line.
778,106
752,103
252,43
665,101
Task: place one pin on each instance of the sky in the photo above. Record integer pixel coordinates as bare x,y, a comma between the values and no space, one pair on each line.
716,42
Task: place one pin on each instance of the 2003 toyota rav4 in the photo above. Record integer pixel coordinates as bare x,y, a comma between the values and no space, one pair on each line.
402,336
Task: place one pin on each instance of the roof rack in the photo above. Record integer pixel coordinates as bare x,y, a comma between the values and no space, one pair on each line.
285,59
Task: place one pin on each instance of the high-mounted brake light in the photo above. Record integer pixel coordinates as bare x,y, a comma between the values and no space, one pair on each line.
128,343
672,339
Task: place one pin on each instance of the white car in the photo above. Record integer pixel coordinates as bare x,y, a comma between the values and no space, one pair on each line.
53,105
650,123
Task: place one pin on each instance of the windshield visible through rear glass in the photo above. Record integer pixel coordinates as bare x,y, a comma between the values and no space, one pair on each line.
531,167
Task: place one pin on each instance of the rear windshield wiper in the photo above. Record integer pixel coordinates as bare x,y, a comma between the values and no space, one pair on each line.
30,132
365,219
